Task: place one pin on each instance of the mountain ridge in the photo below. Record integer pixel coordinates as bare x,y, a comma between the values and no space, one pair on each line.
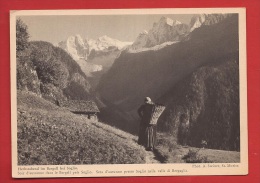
80,48
154,72
88,53
169,30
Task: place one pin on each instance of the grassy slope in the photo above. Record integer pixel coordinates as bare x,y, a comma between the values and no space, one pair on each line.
170,152
48,134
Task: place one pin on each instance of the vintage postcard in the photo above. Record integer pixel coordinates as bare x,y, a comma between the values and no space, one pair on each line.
128,92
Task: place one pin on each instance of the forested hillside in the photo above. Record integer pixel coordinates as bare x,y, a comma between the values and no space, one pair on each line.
208,100
49,71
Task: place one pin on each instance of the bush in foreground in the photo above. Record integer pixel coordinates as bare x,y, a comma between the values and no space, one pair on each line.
193,157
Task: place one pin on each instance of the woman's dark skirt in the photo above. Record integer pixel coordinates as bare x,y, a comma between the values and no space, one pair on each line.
141,135
147,136
150,137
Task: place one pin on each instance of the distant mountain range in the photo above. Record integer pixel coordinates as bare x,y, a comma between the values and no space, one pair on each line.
168,62
89,53
99,55
168,31
80,48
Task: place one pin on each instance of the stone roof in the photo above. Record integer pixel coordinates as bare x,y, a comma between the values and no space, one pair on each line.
80,106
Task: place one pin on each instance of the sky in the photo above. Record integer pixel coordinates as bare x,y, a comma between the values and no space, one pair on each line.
56,28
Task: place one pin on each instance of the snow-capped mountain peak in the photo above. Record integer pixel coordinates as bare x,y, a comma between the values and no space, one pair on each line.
77,39
166,20
144,32
206,19
75,46
106,42
82,49
165,30
105,38
197,21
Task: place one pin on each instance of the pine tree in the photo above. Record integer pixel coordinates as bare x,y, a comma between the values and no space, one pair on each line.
22,35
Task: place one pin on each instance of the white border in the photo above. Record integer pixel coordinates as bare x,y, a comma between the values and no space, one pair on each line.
243,165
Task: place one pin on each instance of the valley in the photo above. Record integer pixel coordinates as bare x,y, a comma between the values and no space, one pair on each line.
192,69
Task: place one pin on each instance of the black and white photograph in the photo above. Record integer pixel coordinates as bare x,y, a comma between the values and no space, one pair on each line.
137,92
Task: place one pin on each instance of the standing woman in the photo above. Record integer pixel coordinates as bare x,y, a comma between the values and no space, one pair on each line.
147,132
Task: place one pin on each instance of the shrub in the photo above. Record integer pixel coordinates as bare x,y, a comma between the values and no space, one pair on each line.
193,157
27,78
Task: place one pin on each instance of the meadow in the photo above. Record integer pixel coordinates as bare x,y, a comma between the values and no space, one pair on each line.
50,135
